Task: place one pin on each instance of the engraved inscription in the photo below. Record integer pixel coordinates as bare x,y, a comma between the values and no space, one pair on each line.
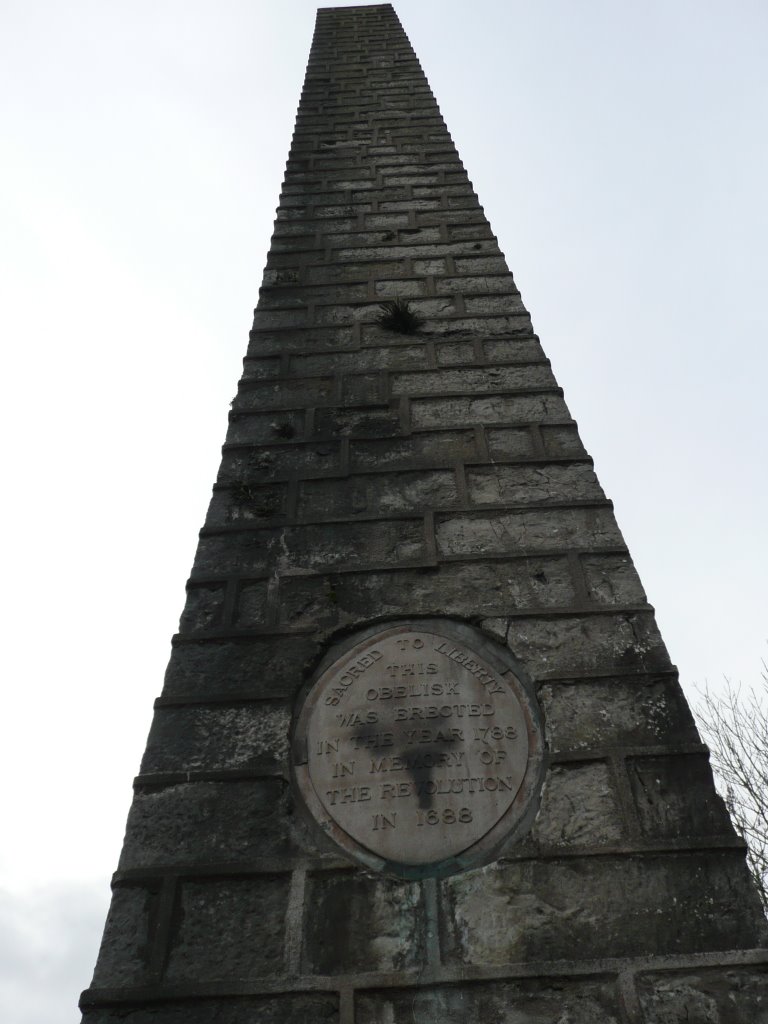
416,745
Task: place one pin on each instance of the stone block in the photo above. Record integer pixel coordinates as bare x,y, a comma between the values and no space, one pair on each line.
562,441
629,712
299,339
490,410
260,668
264,428
612,579
463,589
371,421
578,807
216,737
509,323
429,266
304,1008
451,353
400,289
675,797
554,1000
124,957
472,381
718,995
378,494
485,285
491,264
286,393
530,485
513,350
583,643
252,602
244,502
254,466
208,822
229,929
363,388
524,532
444,447
361,922
508,443
312,547
599,907
203,610
383,358
262,369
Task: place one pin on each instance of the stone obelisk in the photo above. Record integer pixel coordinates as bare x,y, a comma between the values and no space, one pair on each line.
421,755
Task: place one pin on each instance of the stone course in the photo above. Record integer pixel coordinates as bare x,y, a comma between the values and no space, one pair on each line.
370,475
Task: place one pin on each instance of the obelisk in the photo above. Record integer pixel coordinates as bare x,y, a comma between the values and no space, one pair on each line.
421,754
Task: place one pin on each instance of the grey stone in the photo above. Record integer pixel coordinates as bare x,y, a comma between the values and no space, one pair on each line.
359,922
229,929
526,531
210,822
599,907
311,1008
124,957
196,738
675,797
268,667
642,711
578,808
536,1001
738,995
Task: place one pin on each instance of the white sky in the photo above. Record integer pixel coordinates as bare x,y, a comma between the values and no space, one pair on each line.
621,153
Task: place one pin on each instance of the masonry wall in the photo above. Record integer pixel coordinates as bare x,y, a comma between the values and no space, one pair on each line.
368,475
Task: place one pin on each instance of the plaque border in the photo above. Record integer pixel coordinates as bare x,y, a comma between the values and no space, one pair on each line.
510,827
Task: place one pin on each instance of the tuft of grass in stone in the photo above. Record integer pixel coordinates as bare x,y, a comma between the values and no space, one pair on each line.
397,315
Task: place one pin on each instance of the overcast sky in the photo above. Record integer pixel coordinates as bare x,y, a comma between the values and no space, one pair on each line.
620,150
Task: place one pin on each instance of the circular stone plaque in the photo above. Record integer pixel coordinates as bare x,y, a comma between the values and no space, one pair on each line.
418,748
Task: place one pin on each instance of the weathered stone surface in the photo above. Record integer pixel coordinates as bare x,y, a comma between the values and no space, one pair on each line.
526,531
510,443
641,711
261,465
736,995
471,381
567,644
312,547
203,610
599,907
218,737
529,485
244,502
578,807
378,494
612,580
562,441
453,589
675,796
264,428
229,929
269,667
125,953
495,409
443,447
534,1001
360,922
209,822
307,1008
370,421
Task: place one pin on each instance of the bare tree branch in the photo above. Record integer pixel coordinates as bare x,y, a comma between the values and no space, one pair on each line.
735,726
